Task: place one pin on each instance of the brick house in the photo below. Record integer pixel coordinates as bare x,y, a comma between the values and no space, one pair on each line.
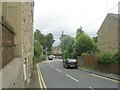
108,40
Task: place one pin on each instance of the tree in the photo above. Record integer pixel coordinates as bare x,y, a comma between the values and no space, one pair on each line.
40,38
65,55
46,41
82,44
68,42
79,32
37,48
49,41
95,39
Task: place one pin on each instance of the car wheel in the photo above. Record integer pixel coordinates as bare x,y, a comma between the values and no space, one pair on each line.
76,67
66,67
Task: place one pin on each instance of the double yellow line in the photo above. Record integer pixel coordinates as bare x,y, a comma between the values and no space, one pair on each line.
41,81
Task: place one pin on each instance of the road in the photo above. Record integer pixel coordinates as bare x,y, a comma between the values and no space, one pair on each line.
55,76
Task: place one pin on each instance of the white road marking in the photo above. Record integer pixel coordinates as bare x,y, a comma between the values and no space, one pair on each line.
71,77
104,78
58,70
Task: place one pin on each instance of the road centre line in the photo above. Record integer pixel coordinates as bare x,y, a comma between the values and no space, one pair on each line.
58,70
71,77
105,78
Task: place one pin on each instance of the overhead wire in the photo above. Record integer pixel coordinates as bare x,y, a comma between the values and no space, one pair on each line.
100,17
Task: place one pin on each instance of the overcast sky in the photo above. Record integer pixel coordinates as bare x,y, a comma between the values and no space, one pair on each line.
55,16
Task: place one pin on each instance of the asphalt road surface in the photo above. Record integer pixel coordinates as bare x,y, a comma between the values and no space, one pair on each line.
55,76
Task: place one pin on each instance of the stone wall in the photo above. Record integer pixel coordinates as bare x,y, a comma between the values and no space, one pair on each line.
0,46
12,74
19,15
0,58
0,35
12,14
0,80
119,24
108,35
27,36
8,46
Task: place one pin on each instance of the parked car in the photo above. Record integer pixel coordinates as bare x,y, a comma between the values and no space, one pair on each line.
60,57
70,63
50,57
53,56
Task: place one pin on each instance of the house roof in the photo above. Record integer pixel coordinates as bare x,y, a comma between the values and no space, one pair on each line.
116,16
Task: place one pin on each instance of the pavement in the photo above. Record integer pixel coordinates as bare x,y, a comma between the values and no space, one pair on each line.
34,83
104,74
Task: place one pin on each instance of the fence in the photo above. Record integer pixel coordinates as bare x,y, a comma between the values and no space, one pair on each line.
92,61
8,46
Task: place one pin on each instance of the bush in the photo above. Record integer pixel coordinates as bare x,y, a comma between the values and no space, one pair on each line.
37,49
116,57
106,57
110,57
65,54
43,58
84,54
38,59
119,56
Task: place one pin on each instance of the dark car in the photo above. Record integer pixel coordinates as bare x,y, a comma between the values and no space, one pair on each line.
70,63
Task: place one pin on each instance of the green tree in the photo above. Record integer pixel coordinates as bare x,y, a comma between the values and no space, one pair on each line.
68,42
40,38
49,41
65,55
79,32
46,41
37,48
95,39
82,44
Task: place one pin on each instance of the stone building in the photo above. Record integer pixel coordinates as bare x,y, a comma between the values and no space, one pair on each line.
119,25
108,40
16,43
56,50
0,47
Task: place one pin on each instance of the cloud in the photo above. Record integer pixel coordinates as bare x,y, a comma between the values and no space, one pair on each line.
55,16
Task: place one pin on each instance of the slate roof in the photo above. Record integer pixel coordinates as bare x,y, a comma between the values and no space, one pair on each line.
117,16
